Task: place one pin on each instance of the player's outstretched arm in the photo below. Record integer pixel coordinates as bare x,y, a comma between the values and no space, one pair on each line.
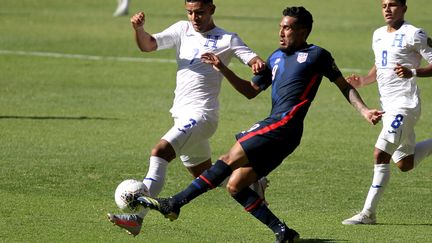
358,81
373,116
247,88
144,40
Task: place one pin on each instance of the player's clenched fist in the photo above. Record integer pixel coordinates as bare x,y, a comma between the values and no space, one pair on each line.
138,20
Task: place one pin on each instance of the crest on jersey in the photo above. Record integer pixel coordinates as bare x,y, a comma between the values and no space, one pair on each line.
429,42
302,57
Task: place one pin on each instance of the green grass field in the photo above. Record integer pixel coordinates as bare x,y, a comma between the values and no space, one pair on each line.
81,107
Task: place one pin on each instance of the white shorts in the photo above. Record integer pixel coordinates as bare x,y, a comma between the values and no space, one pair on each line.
397,136
190,137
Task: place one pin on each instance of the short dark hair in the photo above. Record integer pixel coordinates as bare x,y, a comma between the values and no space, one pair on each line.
303,16
203,1
403,2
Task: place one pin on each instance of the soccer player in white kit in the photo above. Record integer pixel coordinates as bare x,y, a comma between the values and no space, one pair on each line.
195,107
399,48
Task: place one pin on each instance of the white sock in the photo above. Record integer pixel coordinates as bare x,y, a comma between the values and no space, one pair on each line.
155,178
380,179
422,150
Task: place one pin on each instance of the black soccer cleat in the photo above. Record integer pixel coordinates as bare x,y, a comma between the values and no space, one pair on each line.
165,206
287,235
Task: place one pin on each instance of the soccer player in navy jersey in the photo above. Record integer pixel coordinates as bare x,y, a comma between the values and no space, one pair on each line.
295,71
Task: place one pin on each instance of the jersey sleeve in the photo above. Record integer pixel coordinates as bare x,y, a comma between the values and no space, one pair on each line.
170,37
263,79
241,50
330,69
423,45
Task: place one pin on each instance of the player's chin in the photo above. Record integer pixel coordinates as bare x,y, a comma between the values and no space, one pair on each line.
198,28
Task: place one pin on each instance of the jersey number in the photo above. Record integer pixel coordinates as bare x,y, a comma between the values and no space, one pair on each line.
196,52
397,121
384,58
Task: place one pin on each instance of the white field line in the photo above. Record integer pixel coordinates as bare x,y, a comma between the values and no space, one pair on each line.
110,58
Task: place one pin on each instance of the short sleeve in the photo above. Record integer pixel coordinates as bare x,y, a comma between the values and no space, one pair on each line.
330,69
170,37
263,79
241,50
423,45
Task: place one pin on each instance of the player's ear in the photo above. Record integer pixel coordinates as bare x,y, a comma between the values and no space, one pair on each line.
212,9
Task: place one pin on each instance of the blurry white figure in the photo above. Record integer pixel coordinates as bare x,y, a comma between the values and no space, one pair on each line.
122,8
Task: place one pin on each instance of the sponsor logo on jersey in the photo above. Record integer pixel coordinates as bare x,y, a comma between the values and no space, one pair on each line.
302,57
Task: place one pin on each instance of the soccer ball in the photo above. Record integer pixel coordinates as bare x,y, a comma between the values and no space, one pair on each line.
126,192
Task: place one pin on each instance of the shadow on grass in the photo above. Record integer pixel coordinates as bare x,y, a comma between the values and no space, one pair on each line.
57,118
318,240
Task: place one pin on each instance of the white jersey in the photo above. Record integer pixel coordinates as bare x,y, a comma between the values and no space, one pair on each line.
198,84
405,46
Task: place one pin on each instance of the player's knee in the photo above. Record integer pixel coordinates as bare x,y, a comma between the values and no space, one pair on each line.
232,189
381,157
163,150
224,157
404,167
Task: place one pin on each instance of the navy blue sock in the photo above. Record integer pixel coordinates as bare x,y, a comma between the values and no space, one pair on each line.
208,180
253,204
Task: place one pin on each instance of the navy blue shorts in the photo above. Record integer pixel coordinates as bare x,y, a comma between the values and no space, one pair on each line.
270,141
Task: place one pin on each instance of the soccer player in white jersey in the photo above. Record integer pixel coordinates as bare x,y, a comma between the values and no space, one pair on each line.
399,48
195,108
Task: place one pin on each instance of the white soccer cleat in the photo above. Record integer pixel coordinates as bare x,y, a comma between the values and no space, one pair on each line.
132,223
122,8
360,218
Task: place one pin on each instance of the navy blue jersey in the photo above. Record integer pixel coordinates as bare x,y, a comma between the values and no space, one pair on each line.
295,77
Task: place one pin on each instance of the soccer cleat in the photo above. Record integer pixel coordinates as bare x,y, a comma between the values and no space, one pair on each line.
130,222
165,206
260,186
287,235
122,8
360,218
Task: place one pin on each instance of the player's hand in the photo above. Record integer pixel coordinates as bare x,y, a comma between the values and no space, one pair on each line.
212,59
373,116
355,80
138,20
258,66
402,72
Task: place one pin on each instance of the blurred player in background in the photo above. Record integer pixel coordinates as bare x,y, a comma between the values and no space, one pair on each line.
294,71
399,48
122,8
196,107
